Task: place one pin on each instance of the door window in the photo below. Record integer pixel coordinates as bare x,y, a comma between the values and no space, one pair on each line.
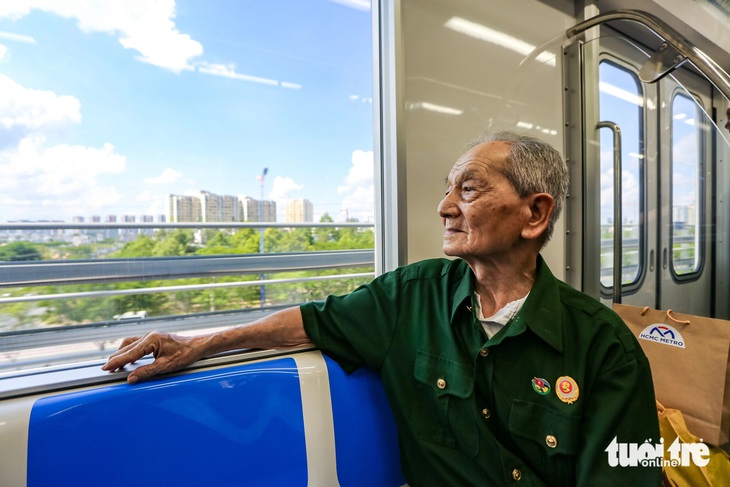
621,101
687,122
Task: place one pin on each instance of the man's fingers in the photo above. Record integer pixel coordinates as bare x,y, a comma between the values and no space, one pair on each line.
171,352
128,341
131,350
143,373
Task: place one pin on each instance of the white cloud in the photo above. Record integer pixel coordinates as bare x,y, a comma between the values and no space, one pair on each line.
63,176
168,176
147,27
361,170
360,203
229,71
363,5
685,151
631,191
291,86
36,176
3,52
142,25
359,200
26,110
281,188
146,196
10,36
156,203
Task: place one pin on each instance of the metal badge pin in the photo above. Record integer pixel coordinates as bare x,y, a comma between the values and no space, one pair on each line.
567,389
541,386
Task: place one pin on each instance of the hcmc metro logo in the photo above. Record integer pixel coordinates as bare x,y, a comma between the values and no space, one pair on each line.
664,334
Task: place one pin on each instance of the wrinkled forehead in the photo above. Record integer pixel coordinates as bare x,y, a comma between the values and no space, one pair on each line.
487,157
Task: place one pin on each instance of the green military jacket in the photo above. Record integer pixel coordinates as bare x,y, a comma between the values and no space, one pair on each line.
537,404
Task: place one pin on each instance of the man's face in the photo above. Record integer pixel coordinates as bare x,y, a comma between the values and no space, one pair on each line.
727,122
482,213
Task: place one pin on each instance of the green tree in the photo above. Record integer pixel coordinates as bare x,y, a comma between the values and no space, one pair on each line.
177,242
18,251
142,247
245,241
323,236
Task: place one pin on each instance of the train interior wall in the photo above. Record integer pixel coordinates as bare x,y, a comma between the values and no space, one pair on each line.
459,83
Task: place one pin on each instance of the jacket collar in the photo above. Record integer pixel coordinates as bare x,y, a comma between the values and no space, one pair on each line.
541,313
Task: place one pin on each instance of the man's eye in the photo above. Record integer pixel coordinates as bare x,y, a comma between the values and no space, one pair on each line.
467,189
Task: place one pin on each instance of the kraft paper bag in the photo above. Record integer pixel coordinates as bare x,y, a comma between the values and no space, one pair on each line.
690,365
715,473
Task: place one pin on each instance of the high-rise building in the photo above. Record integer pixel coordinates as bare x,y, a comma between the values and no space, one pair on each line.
252,210
182,208
210,206
269,210
229,209
300,211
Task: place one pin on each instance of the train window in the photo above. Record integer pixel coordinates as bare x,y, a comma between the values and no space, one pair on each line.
621,101
687,167
176,166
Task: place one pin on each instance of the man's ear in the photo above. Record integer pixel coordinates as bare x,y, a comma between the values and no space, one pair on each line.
541,206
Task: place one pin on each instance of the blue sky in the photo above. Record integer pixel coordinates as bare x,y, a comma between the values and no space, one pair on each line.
107,107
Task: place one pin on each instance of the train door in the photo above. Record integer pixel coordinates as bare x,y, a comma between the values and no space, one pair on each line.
685,255
645,187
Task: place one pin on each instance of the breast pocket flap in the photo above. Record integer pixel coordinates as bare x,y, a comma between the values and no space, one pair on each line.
556,431
445,376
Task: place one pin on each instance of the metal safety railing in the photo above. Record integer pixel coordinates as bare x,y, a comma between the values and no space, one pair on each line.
30,274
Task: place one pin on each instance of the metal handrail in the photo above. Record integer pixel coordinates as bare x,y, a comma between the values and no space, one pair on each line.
171,289
21,274
61,225
617,210
709,68
43,273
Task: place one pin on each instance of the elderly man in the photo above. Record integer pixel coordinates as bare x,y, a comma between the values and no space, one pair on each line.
496,372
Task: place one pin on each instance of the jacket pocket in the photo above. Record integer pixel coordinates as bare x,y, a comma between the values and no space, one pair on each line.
550,437
556,431
442,410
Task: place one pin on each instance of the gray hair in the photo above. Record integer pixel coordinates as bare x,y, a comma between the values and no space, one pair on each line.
532,166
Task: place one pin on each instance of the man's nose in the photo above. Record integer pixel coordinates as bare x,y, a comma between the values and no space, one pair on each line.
447,207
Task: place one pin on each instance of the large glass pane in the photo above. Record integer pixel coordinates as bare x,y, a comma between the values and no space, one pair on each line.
621,101
129,129
687,156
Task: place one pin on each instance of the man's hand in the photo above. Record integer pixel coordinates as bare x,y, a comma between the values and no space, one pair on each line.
171,352
282,329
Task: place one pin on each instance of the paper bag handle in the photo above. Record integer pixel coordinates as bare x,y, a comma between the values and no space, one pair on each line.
669,315
681,322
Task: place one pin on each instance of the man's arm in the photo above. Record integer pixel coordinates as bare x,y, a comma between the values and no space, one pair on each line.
173,352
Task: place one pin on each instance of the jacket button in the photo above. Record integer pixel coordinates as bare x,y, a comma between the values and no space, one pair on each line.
484,352
516,474
441,384
551,441
486,413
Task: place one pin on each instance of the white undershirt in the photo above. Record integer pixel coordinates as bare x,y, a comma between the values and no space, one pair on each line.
497,321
